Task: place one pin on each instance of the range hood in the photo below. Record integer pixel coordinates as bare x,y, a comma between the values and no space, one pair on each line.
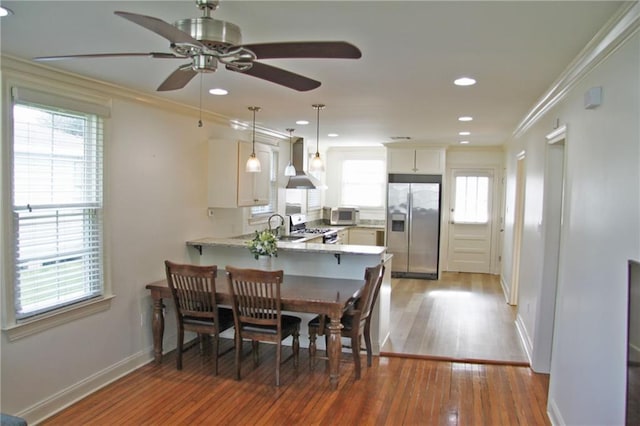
301,180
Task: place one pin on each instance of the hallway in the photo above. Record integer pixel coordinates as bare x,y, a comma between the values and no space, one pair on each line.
460,317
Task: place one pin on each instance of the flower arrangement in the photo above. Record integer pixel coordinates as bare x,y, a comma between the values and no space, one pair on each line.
263,244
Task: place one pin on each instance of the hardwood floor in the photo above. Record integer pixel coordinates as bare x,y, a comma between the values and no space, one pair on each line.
394,391
462,317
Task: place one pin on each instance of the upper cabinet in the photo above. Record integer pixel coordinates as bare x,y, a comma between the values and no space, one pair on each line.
229,184
423,160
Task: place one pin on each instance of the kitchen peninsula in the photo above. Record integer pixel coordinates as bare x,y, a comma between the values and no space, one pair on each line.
308,259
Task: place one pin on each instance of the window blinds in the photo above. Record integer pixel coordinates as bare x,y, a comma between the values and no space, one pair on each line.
57,205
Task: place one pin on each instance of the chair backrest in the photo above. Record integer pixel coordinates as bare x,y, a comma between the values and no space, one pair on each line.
373,279
194,289
256,295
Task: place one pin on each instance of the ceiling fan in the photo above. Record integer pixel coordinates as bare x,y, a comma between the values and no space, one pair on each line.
207,41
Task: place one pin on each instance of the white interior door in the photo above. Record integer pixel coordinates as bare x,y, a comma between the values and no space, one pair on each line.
470,221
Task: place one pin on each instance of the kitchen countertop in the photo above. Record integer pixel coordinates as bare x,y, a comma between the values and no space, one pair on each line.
289,246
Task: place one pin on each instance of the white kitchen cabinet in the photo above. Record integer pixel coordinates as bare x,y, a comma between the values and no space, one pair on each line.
416,160
229,185
363,236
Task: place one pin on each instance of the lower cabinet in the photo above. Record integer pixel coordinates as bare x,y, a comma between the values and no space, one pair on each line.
363,236
343,236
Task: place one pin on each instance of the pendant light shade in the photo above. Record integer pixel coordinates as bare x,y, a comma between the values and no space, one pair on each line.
316,164
253,164
290,170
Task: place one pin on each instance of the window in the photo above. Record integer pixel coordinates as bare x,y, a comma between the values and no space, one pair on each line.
272,207
363,183
471,199
57,204
314,199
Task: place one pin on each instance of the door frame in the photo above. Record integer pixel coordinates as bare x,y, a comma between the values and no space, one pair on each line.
518,226
553,220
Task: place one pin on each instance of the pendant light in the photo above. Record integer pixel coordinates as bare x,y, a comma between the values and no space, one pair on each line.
253,164
316,164
290,170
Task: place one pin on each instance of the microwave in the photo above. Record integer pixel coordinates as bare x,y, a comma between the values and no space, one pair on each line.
340,215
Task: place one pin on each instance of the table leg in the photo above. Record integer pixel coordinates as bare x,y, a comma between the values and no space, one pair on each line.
158,329
334,349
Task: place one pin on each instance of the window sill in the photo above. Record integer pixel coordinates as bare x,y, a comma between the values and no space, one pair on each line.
44,322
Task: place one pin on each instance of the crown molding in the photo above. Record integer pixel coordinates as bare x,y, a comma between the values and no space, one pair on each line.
624,24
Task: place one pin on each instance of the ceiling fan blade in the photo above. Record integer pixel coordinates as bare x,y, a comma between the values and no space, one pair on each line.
159,55
178,79
280,76
160,27
305,49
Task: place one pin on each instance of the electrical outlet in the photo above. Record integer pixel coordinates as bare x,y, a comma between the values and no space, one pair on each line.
210,212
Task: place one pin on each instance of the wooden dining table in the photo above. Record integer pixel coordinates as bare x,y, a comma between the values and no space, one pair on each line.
316,295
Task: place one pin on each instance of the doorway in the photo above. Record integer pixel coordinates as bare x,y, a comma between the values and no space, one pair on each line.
471,221
554,184
517,228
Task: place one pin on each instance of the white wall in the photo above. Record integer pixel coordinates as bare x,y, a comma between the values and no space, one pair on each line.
155,200
601,230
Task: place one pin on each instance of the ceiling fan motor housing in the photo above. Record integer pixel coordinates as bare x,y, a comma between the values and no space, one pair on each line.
211,32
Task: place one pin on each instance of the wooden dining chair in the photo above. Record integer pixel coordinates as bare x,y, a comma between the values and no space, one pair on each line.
356,321
257,314
194,293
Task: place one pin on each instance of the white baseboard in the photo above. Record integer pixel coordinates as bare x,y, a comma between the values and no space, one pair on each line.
554,414
66,397
524,337
505,288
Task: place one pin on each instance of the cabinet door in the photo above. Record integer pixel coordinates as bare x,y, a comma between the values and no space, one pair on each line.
343,236
362,236
415,160
429,161
253,188
400,160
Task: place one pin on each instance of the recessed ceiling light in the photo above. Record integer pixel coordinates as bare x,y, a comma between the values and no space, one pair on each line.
464,133
465,118
464,81
4,11
302,122
464,142
333,135
218,92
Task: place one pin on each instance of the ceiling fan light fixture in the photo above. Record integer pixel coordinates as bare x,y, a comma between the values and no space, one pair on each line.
290,170
253,164
317,164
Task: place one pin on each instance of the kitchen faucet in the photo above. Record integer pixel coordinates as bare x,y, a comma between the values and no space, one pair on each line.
277,229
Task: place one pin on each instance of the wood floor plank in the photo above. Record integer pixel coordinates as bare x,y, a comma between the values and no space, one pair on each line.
392,391
460,317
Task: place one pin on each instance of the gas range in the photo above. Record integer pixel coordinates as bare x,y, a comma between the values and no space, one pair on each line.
298,226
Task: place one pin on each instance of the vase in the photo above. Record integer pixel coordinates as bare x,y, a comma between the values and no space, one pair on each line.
264,262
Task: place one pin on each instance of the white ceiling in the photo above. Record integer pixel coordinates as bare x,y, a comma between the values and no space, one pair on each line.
402,86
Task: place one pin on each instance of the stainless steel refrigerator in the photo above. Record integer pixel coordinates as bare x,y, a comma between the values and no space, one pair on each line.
413,224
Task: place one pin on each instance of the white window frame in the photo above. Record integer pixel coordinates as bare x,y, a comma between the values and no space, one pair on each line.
456,216
49,98
381,184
